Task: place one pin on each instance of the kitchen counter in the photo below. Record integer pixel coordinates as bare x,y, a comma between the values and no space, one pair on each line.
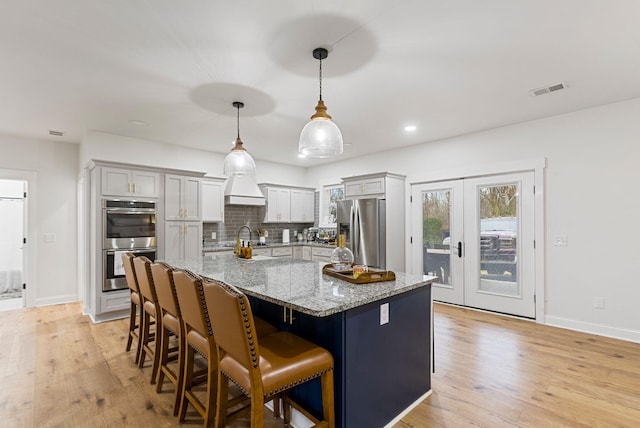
298,284
380,334
226,246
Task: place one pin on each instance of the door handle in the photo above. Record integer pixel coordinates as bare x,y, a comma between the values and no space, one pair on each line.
460,249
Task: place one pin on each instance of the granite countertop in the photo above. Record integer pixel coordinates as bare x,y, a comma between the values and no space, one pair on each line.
227,246
298,284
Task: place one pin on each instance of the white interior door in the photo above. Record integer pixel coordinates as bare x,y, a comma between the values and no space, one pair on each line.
499,244
437,232
477,236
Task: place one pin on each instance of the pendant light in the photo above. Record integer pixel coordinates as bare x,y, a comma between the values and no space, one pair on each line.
239,161
321,137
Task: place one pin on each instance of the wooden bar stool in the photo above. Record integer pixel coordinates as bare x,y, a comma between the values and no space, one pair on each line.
199,338
134,294
172,324
263,368
150,310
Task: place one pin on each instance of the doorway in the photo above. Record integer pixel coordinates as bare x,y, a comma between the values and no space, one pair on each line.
12,240
477,236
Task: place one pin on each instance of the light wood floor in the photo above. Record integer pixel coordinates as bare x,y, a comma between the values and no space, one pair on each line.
57,369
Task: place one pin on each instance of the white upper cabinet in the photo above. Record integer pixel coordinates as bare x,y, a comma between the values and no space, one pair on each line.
288,204
182,198
370,186
302,206
212,200
125,182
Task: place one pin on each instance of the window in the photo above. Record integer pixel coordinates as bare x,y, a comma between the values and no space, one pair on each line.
329,196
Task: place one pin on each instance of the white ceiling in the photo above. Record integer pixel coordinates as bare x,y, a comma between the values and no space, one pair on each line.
448,67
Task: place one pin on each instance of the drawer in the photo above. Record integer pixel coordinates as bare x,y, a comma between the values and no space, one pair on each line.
282,252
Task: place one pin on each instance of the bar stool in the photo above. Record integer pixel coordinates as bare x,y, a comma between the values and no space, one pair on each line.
134,294
199,338
263,367
172,324
150,311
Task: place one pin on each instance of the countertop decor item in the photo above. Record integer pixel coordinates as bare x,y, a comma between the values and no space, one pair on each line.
368,277
342,257
321,137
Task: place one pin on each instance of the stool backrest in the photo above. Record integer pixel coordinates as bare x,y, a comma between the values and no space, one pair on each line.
162,275
142,268
129,273
191,300
233,323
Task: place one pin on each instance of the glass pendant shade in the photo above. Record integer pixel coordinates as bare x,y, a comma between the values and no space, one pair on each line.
239,161
321,137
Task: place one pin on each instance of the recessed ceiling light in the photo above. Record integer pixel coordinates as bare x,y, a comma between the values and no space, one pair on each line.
135,122
410,128
301,156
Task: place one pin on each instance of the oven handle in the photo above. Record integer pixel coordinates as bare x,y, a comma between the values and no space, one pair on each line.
139,250
129,211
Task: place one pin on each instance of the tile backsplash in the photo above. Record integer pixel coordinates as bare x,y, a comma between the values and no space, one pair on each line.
236,216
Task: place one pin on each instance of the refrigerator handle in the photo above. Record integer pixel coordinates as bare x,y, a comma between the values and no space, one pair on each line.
354,231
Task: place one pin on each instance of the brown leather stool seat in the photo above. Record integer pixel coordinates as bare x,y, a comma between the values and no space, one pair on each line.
263,367
150,312
199,338
172,324
134,294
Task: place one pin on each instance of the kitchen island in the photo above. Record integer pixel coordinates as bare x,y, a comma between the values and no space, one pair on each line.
379,334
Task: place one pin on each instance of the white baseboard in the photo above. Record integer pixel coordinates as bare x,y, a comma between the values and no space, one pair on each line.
406,411
601,330
65,298
298,420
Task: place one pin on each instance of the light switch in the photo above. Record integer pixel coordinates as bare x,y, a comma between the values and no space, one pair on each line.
213,235
560,240
384,313
49,237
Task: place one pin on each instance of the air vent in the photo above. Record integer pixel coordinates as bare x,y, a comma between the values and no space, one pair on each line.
56,133
547,89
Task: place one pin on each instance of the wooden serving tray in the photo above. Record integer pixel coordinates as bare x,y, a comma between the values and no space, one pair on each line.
363,278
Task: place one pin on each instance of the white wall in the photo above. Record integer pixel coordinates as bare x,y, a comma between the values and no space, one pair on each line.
115,148
51,169
592,196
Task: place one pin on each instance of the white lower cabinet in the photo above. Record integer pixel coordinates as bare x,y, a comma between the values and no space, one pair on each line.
182,240
322,254
115,301
282,252
302,252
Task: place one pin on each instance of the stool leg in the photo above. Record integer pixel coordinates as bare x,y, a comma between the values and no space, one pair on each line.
132,324
328,406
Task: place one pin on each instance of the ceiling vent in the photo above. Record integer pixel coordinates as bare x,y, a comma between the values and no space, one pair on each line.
548,89
56,133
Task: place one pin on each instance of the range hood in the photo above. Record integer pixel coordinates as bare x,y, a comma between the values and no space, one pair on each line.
242,189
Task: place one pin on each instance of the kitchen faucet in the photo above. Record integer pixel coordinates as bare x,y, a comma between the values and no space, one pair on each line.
237,250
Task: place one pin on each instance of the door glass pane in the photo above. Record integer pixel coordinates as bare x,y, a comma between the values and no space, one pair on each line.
499,207
436,240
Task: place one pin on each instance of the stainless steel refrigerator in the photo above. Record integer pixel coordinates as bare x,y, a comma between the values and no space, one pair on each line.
363,221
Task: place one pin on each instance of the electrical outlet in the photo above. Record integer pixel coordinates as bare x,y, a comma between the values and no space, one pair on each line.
560,240
213,235
384,313
598,302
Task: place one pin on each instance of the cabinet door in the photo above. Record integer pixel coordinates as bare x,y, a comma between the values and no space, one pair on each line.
173,240
145,183
191,198
302,206
116,182
192,240
306,253
365,187
172,193
278,205
284,205
212,200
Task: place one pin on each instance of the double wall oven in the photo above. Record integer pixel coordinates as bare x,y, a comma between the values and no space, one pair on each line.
127,226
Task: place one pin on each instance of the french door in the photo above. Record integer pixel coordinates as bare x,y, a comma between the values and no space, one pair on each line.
476,235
